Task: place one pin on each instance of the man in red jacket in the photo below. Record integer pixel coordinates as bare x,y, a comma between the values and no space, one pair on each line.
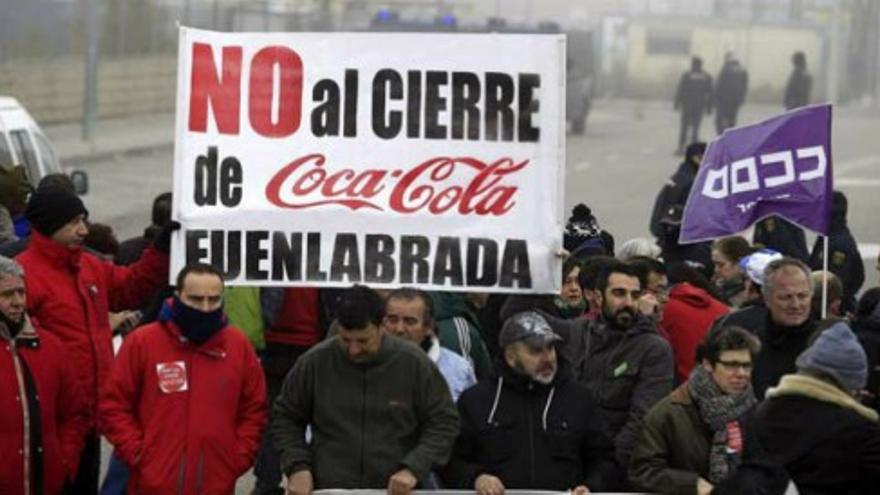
687,318
45,417
186,403
70,292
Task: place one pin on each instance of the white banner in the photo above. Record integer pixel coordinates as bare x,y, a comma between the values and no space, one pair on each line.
327,159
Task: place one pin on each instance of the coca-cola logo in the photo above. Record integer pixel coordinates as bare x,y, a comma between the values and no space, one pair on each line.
307,183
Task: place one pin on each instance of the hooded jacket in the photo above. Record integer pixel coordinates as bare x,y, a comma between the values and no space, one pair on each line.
368,420
627,371
687,318
531,436
458,329
825,441
45,416
71,292
185,418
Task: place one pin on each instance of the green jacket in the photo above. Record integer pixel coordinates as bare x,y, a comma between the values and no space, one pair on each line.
242,307
367,421
458,329
672,448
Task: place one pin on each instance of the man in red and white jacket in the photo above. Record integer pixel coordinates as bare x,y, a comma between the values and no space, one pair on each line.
186,403
45,416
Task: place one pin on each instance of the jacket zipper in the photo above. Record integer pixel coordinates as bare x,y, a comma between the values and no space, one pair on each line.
530,420
25,416
363,423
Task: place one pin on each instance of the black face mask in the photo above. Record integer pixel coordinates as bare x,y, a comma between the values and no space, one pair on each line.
196,325
13,326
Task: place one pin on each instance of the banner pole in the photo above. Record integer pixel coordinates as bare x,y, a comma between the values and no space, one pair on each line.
824,277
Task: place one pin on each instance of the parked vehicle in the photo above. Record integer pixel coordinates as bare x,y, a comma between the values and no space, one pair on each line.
22,142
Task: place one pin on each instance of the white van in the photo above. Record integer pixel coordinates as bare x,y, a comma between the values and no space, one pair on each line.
22,142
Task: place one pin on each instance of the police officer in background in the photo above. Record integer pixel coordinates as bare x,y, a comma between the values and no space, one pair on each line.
693,97
730,92
844,258
800,83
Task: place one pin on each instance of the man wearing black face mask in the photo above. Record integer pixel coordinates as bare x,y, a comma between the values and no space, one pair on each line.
192,385
619,356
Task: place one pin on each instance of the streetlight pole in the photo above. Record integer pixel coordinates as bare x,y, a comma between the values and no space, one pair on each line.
90,101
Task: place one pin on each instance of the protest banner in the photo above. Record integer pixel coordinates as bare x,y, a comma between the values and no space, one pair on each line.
781,166
326,159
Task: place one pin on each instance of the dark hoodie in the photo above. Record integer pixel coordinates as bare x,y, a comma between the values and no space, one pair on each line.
531,436
628,371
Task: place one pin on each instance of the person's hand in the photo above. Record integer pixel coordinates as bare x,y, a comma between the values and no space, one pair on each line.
704,487
300,483
562,253
162,241
402,482
648,304
486,484
580,490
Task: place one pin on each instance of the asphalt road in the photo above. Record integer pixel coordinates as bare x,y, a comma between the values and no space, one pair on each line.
616,168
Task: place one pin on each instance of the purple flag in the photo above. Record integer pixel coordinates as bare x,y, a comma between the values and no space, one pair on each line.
781,166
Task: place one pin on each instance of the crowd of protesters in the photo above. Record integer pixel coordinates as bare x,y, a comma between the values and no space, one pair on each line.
723,367
712,370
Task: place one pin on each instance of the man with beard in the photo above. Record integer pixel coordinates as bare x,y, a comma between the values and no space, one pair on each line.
692,439
532,428
619,356
186,403
409,314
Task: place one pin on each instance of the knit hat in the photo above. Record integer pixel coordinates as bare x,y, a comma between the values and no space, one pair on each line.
50,208
837,353
754,264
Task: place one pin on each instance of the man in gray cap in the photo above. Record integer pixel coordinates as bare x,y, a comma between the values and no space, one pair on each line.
812,425
532,427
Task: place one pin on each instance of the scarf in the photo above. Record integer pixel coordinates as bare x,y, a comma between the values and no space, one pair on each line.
569,311
721,412
196,325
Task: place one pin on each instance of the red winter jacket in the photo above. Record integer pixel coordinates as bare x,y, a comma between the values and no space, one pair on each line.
63,413
71,293
687,318
185,418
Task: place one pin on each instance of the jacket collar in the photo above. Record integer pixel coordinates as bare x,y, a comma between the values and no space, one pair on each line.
27,335
681,395
813,388
53,252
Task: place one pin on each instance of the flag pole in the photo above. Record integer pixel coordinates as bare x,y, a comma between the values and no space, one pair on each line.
824,276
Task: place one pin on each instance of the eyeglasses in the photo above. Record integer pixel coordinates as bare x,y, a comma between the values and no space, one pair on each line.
735,365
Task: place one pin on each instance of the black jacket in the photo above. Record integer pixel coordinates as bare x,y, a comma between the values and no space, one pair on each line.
783,236
531,436
694,92
733,82
825,445
780,346
628,372
868,331
674,193
844,260
797,91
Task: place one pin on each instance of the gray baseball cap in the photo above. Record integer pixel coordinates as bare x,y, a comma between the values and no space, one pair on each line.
528,326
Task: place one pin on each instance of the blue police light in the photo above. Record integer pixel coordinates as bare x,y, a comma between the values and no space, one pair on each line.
385,15
448,20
